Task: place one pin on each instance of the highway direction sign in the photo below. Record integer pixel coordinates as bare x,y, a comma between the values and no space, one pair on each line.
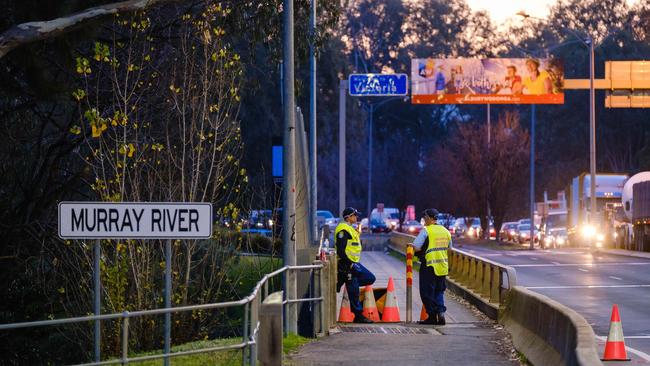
135,220
377,85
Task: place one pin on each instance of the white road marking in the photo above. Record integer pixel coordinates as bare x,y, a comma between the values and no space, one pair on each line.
581,264
583,270
583,286
642,355
533,258
616,278
556,263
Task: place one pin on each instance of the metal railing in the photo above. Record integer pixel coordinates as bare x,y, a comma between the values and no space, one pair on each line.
487,279
251,304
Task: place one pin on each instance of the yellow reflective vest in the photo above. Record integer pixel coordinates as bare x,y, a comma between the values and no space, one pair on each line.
353,246
436,254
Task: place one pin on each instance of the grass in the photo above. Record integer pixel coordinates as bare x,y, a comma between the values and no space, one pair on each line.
290,344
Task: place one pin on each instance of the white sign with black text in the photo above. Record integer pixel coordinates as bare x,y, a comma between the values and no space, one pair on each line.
135,220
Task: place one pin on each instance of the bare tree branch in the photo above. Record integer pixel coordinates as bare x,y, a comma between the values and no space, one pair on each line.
37,31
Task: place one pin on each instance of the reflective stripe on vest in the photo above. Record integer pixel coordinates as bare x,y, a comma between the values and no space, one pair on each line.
436,254
353,245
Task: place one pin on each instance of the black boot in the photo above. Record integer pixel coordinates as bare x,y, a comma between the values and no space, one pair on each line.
431,320
440,319
360,318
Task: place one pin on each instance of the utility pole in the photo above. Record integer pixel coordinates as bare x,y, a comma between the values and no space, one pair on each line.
288,167
313,180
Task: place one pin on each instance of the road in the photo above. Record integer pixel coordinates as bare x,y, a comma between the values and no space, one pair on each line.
590,283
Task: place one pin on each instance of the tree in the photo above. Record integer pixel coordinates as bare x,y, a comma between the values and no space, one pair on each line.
474,173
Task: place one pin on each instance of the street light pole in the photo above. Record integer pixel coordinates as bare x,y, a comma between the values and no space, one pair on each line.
370,112
592,133
532,176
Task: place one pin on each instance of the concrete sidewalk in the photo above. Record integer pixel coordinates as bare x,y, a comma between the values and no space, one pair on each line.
468,338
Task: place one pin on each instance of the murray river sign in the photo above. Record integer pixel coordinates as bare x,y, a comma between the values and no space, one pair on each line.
135,220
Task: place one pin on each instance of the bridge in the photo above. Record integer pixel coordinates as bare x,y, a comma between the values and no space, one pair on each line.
498,301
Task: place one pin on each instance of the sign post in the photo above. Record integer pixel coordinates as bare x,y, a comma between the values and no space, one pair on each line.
134,220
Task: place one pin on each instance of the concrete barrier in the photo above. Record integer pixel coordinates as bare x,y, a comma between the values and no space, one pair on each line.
547,332
270,336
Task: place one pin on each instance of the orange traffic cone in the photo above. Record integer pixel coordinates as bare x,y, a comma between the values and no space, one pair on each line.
423,313
391,309
369,305
345,313
615,346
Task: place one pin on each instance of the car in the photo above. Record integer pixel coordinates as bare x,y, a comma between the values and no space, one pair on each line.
508,230
523,234
379,224
259,219
458,228
475,229
446,220
390,215
325,217
557,237
412,227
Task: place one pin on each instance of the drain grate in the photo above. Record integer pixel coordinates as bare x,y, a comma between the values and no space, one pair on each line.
383,330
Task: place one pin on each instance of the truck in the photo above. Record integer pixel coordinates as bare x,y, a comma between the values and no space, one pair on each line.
583,226
635,232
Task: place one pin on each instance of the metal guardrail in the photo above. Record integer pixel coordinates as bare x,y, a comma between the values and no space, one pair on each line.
485,278
250,326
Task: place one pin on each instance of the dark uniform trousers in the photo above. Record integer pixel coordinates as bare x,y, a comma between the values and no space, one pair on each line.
359,276
432,290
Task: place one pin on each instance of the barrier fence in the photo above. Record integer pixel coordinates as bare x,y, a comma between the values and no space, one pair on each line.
250,326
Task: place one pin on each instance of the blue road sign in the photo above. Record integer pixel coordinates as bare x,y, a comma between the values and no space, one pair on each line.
377,85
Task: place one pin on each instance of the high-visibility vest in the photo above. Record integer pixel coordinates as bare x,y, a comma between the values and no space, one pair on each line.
353,246
436,254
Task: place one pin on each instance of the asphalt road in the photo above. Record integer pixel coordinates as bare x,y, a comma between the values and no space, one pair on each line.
590,283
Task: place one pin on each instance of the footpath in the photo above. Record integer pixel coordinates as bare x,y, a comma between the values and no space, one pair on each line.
469,338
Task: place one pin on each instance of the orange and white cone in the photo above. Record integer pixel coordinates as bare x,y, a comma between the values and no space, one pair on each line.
345,313
615,346
423,313
369,305
391,309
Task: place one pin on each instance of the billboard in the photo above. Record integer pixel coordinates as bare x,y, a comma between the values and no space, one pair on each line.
483,81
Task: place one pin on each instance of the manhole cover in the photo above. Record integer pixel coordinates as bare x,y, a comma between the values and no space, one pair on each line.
384,330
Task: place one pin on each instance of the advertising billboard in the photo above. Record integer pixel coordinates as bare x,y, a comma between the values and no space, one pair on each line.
483,81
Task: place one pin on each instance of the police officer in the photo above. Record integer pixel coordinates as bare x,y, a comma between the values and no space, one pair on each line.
431,247
350,272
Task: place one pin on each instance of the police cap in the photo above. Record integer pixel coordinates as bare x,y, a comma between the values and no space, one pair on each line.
431,213
349,212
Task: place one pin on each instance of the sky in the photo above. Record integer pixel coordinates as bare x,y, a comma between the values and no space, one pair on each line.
508,8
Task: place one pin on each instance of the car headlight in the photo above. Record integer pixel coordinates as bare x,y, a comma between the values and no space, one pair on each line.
588,231
270,222
524,234
393,224
512,232
259,224
548,239
412,229
615,235
560,240
600,237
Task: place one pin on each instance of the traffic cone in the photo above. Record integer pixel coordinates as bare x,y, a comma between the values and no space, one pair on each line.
369,305
615,346
345,313
423,313
391,310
